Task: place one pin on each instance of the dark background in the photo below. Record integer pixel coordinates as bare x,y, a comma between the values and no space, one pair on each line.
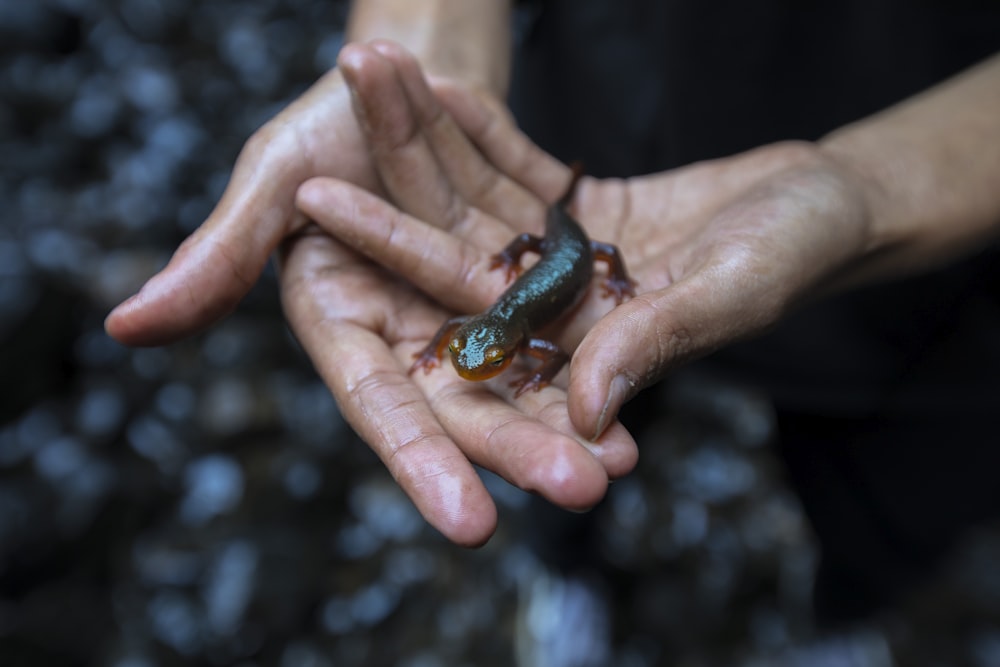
204,503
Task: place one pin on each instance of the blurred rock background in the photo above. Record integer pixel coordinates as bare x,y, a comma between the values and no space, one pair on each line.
204,504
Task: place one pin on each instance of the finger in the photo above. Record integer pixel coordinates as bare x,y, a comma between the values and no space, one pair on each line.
452,271
216,266
377,398
476,180
615,449
444,266
493,131
514,441
406,164
642,339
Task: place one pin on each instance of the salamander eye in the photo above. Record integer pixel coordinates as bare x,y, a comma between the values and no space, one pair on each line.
495,356
456,345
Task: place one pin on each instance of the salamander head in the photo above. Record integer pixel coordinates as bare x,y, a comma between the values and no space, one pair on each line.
483,347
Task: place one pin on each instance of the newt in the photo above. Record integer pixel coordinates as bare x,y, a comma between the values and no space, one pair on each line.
481,346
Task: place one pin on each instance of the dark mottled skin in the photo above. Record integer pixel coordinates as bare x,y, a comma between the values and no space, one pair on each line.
483,345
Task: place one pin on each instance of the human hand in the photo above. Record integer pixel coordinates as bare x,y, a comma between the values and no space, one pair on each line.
721,249
364,345
217,265
350,316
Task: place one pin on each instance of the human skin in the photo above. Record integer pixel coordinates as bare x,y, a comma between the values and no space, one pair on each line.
356,321
721,249
346,311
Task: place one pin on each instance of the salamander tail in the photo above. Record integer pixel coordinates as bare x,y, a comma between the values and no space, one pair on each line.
567,197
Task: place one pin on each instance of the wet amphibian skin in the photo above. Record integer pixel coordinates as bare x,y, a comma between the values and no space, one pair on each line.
481,346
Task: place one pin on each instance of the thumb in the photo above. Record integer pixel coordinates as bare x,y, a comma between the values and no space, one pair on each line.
641,340
218,264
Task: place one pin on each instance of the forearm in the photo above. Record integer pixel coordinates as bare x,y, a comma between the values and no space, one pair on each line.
465,39
931,171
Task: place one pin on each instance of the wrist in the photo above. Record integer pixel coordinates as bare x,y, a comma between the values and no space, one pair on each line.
928,167
465,40
868,178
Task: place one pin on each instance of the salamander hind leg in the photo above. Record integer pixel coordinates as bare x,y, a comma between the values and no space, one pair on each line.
429,358
509,258
618,283
553,359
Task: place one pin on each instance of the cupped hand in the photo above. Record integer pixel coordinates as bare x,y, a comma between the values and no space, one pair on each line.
361,324
720,249
353,318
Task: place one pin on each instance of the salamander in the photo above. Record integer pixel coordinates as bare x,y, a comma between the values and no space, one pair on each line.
481,346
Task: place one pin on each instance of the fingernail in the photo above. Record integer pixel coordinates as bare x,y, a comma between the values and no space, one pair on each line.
618,391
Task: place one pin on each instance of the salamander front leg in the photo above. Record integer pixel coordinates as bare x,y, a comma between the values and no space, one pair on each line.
618,283
553,359
430,357
509,258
